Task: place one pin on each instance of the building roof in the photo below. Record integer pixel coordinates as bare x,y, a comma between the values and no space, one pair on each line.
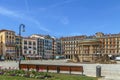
73,38
3,30
29,38
90,40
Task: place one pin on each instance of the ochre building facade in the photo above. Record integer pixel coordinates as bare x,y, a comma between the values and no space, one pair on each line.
88,48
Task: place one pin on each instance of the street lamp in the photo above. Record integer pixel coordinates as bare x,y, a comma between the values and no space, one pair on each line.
21,28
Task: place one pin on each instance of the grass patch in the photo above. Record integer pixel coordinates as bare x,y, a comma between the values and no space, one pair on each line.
71,77
2,77
55,77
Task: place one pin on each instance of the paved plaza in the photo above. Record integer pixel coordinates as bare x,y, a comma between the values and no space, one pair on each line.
109,71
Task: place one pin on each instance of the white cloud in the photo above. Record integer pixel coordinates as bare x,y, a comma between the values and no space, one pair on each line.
56,4
41,28
11,13
7,12
60,3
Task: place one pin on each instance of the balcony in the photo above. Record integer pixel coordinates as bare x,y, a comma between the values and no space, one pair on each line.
11,44
10,51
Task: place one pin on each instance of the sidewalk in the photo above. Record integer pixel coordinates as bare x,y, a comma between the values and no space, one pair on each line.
110,71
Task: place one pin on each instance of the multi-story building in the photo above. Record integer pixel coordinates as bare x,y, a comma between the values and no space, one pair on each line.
78,48
69,45
18,42
7,44
44,45
110,43
29,48
57,47
85,48
40,46
48,50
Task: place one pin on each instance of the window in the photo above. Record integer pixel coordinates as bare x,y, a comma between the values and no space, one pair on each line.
25,47
34,52
117,51
34,48
29,52
7,36
12,37
110,51
113,51
110,42
30,43
25,42
106,51
25,52
30,47
34,43
106,46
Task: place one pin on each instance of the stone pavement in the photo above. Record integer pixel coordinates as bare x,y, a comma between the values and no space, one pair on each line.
9,64
108,71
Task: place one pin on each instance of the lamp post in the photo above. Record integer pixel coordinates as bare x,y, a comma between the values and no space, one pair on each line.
21,29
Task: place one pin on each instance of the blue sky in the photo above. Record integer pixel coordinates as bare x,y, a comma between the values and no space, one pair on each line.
61,17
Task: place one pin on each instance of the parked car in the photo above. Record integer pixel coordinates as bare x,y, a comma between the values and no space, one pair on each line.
2,58
117,58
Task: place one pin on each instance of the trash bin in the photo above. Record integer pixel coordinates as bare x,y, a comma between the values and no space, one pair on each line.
98,71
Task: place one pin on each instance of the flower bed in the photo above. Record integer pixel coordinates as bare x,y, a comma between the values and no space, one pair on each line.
32,74
24,73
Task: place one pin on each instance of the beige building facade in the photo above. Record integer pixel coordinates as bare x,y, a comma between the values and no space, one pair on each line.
29,48
7,44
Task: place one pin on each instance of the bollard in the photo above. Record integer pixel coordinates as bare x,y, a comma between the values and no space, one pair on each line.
98,71
47,68
58,69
